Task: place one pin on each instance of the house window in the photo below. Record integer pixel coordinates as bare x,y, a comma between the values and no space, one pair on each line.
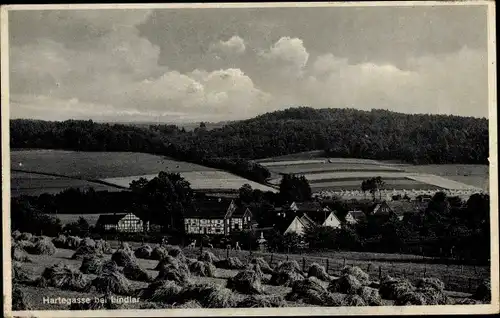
217,230
236,226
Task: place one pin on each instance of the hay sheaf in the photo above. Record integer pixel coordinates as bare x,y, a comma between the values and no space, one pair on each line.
19,254
246,282
171,261
176,274
103,247
86,251
209,257
358,273
15,235
289,266
316,270
112,282
256,268
308,290
371,296
19,274
204,269
177,253
264,266
65,277
430,282
353,301
143,251
392,289
230,263
43,246
434,296
164,291
192,304
19,300
25,236
134,271
262,301
73,242
123,256
483,292
346,284
25,244
60,241
285,278
410,298
87,241
210,295
97,265
158,253
190,261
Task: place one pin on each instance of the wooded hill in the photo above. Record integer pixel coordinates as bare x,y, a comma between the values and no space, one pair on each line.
376,134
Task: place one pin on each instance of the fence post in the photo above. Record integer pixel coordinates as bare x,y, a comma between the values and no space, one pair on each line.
368,268
327,265
425,270
227,253
287,257
303,264
344,261
470,285
380,273
271,262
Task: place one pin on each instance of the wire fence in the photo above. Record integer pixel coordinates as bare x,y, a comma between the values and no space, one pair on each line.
457,278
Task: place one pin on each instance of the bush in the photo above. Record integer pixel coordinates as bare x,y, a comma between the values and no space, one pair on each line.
483,292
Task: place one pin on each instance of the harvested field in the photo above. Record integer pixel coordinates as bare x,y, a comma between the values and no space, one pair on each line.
199,180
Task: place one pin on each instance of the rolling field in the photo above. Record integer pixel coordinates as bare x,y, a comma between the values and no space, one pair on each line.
336,174
22,183
87,169
201,180
96,165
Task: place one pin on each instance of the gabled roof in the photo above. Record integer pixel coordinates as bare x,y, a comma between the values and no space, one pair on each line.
357,215
318,217
239,211
110,218
306,220
209,208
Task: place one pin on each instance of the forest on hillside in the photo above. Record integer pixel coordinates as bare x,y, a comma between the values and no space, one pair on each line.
376,134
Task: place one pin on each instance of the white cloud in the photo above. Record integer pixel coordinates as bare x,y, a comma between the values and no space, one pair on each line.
446,84
290,51
234,45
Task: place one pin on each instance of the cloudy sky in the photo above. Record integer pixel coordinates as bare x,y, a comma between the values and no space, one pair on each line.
183,65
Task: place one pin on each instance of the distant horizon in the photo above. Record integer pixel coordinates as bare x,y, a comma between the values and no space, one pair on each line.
138,65
152,121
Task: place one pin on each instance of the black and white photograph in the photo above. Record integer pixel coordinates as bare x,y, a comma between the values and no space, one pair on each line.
295,158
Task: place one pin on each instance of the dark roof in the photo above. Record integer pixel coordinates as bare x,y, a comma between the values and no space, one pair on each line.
239,212
209,208
318,217
110,218
358,215
309,206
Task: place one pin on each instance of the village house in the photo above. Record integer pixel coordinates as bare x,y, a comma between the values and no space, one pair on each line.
217,217
320,215
354,216
299,225
122,222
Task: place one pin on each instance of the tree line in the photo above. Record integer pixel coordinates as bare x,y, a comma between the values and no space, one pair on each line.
376,134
